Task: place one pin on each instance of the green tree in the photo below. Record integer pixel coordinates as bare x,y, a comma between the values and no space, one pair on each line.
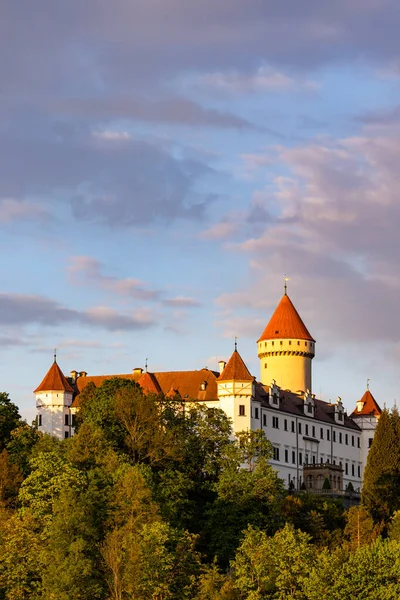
213,585
360,528
22,441
9,418
381,486
273,567
10,479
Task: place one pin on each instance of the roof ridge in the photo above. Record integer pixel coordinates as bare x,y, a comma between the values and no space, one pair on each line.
286,323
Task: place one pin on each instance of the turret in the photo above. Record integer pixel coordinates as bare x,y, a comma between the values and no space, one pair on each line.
366,415
53,400
236,394
286,349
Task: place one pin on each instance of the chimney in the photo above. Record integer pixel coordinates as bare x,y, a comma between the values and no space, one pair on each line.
222,365
82,374
74,376
137,371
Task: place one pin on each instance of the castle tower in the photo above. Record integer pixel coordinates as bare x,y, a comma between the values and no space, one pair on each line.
53,401
366,415
286,349
236,393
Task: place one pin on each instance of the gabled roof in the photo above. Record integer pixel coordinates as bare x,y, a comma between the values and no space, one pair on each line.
286,323
235,369
196,385
54,381
149,383
369,406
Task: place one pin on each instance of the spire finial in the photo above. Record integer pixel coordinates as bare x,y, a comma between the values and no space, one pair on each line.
368,380
286,279
235,343
145,366
55,355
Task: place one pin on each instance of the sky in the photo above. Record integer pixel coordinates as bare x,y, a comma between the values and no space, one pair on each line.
165,163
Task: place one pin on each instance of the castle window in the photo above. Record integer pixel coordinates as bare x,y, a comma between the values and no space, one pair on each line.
272,343
66,420
346,468
300,458
286,455
370,442
293,429
334,435
242,412
290,342
328,436
293,457
352,470
358,442
299,427
66,434
305,344
39,420
321,433
276,453
265,344
340,437
265,420
352,440
313,459
306,458
309,407
256,413
275,399
347,439
298,343
73,420
281,343
285,424
275,422
265,365
359,471
306,429
313,431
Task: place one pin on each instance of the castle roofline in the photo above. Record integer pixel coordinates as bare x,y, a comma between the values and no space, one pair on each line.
368,407
235,369
54,381
286,323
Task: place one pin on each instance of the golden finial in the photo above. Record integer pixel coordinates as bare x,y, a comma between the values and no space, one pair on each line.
286,279
368,380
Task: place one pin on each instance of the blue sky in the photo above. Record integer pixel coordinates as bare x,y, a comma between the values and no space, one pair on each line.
165,163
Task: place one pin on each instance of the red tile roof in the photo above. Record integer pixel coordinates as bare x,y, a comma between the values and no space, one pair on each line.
286,323
235,369
54,381
149,383
187,384
369,407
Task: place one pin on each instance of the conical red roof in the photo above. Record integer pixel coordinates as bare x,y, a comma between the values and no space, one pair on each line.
54,381
286,323
149,383
369,407
235,369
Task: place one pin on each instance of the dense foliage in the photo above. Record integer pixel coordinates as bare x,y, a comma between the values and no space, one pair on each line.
151,500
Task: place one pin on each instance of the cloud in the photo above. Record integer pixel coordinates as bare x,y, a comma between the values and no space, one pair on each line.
20,309
15,210
182,302
265,79
175,110
84,269
334,230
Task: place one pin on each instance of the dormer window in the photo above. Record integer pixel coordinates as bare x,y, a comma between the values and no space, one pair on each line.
275,399
203,385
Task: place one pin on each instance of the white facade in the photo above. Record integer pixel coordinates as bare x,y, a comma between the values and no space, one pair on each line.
53,413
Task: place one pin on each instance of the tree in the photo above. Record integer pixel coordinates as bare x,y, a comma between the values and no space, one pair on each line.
10,479
22,441
360,529
381,487
9,418
273,567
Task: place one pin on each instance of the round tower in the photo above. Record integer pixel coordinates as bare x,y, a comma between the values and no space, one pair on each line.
286,349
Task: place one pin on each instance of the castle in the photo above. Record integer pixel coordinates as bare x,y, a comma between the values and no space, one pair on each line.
312,439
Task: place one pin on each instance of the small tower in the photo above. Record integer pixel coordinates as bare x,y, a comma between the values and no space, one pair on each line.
366,415
236,393
53,400
286,349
